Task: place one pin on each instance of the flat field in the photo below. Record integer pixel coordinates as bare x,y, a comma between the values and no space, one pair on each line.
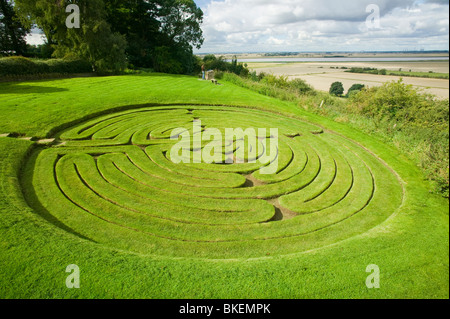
322,74
85,179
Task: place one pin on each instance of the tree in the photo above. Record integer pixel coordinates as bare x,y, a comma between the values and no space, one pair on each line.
12,32
337,88
213,63
140,32
94,41
138,22
180,22
355,88
158,30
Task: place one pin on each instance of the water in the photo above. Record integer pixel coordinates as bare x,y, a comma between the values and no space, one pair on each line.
345,59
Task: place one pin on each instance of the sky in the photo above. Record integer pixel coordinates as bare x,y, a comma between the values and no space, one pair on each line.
324,25
321,25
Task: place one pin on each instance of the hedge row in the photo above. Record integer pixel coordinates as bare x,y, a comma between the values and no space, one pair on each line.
18,65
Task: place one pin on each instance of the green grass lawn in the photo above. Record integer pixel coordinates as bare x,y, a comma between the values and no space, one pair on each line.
139,226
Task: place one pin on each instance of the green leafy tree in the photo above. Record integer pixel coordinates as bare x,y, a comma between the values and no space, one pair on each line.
115,32
138,22
94,41
12,31
337,89
48,15
163,61
160,34
180,22
213,63
354,89
42,51
180,31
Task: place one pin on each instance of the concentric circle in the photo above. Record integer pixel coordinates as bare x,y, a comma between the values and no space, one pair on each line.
112,181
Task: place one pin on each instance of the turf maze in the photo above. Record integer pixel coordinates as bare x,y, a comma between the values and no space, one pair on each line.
111,180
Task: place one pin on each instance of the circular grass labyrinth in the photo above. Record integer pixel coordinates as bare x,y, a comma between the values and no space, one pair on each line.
112,181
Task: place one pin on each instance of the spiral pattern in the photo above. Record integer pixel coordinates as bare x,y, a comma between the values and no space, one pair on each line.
112,180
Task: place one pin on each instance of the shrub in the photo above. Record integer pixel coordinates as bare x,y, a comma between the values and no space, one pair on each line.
271,85
253,76
272,80
24,66
218,75
354,89
17,65
211,62
300,86
393,100
337,89
261,76
164,62
363,70
69,66
421,121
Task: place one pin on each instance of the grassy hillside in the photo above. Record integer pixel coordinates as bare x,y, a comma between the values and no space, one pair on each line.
405,232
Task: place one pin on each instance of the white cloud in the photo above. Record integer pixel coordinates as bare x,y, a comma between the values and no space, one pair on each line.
323,25
35,37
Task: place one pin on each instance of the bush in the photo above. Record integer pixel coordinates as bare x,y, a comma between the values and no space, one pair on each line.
254,77
421,122
271,85
354,89
363,70
211,62
337,89
296,86
23,66
164,62
300,86
69,66
394,100
18,65
261,76
218,75
279,82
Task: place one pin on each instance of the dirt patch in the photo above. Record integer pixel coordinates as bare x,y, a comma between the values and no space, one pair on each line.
281,213
46,141
26,138
252,182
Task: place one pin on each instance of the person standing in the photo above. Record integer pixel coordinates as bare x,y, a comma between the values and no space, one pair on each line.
203,72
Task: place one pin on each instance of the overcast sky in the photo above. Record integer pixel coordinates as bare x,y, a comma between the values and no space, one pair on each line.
321,25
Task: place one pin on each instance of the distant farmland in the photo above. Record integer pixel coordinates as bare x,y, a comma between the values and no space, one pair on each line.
322,74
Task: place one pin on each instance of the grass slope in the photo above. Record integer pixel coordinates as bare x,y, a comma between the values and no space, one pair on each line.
411,246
